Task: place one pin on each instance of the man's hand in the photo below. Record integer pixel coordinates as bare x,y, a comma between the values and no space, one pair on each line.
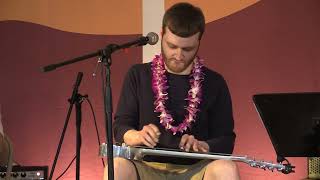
188,142
149,136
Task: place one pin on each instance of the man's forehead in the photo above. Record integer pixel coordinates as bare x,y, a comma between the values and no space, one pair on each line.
169,32
175,40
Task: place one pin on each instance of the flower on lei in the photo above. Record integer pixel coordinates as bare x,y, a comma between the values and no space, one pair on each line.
159,87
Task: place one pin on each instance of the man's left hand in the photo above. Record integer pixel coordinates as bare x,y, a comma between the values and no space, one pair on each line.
189,142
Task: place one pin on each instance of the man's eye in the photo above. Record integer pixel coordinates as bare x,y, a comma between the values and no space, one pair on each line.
188,49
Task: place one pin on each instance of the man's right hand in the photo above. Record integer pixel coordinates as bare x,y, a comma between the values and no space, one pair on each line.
148,136
189,142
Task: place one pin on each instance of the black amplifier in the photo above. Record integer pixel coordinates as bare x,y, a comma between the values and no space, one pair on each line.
26,172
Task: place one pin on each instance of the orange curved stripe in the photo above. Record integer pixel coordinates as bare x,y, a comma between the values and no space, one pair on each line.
216,9
110,17
90,17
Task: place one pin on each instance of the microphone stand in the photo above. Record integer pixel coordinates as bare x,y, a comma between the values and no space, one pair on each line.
105,56
76,99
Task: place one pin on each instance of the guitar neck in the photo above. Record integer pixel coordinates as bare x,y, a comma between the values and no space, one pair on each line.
137,153
180,154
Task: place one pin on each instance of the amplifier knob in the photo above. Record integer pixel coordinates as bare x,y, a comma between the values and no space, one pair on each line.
15,174
2,175
23,174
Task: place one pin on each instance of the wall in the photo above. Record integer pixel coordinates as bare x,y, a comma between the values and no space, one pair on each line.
270,46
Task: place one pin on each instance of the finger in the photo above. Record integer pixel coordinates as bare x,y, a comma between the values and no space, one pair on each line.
195,146
183,141
145,142
150,130
202,149
203,146
145,137
189,143
148,138
155,129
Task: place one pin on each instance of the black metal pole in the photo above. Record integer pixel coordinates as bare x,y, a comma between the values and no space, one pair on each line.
78,136
106,59
108,98
60,141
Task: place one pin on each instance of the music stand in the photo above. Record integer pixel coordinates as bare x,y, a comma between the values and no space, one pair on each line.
292,121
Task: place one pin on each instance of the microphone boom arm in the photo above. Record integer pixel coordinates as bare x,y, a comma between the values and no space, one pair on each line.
151,38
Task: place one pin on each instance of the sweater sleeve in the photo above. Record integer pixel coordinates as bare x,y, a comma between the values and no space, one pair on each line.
221,123
127,114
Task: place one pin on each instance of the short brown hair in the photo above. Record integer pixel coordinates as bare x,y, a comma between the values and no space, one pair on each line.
184,20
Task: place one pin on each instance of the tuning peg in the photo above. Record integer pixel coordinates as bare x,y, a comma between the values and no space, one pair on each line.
271,168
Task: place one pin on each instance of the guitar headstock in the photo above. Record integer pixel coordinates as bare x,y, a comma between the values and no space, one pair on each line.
284,168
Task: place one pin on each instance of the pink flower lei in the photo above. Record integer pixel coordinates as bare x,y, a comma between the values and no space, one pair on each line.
159,87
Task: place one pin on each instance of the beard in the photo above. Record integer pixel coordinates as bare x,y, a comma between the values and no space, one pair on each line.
177,66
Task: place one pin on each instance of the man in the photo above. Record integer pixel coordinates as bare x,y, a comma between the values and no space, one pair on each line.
176,102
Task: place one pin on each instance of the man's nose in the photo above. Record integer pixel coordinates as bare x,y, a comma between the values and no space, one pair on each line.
179,54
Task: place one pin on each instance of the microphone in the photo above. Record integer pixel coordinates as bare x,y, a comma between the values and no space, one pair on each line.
151,38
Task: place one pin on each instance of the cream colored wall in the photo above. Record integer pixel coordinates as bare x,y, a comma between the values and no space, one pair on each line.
152,19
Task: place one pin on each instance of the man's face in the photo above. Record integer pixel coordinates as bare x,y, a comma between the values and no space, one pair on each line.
179,52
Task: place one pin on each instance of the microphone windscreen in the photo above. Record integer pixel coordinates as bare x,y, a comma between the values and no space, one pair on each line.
152,38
